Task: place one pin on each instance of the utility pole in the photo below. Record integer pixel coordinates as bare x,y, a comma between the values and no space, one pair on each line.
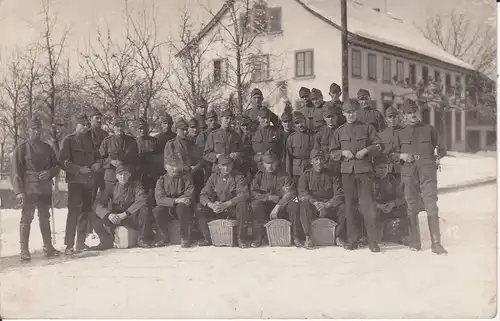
345,52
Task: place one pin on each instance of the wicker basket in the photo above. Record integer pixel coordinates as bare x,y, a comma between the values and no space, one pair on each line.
174,231
278,232
125,237
323,232
223,232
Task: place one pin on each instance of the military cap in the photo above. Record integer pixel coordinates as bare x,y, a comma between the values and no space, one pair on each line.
193,123
270,157
316,93
363,93
329,110
142,123
118,121
224,160
35,123
171,160
409,106
391,111
297,115
167,119
381,159
256,91
181,124
123,168
286,117
304,91
350,105
226,113
264,113
334,88
82,119
211,114
95,112
317,153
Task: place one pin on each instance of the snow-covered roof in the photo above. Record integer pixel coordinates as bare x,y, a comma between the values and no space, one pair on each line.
364,21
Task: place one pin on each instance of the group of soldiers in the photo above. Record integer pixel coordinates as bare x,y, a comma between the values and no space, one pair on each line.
340,160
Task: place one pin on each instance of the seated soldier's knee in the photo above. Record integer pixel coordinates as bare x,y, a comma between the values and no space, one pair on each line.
182,210
158,211
256,204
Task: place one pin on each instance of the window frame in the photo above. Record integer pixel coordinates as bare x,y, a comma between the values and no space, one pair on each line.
359,59
400,77
372,72
412,76
304,53
219,60
386,72
261,62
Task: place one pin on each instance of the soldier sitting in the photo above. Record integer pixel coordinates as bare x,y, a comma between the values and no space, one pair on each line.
321,194
273,192
390,203
224,196
174,195
125,206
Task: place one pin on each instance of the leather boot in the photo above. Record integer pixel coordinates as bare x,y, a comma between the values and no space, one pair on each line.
373,246
164,239
436,246
203,226
48,248
24,240
308,244
257,234
415,244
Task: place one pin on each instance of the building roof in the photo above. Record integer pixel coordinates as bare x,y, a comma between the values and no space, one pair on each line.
365,22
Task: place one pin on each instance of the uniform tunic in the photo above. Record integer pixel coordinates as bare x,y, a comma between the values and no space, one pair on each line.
254,111
162,138
373,117
148,170
268,138
388,137
322,142
221,141
123,148
299,146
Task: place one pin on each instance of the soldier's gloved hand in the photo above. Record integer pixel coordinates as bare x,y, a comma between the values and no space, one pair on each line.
115,162
361,153
21,197
44,175
347,154
274,212
95,167
84,170
405,157
273,198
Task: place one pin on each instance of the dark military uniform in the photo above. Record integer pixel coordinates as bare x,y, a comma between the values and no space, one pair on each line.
200,148
418,142
266,138
323,187
231,188
317,113
252,113
247,165
170,189
129,198
163,137
192,129
29,160
299,146
76,157
368,115
286,117
322,141
122,148
356,174
389,139
265,186
97,135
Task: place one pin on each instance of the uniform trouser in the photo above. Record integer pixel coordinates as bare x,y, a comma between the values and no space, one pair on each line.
42,203
424,182
308,213
260,215
163,215
384,219
198,182
98,188
239,212
140,221
79,206
359,187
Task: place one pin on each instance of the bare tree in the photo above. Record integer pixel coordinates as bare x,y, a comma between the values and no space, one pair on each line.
190,81
32,66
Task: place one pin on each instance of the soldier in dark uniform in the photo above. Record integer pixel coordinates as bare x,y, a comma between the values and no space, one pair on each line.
247,165
335,92
257,98
167,133
192,130
223,141
390,202
201,114
266,137
273,193
389,138
318,103
174,195
416,147
298,148
323,136
97,135
117,149
307,108
224,196
125,206
211,122
321,195
352,143
288,129
336,103
367,114
34,164
78,158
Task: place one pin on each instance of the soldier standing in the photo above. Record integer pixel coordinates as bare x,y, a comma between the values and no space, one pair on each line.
287,125
192,130
323,136
318,103
97,135
307,108
225,196
416,145
367,114
174,195
34,164
257,98
352,143
117,149
200,144
321,195
201,114
167,133
246,163
266,137
298,148
336,103
389,139
273,192
78,158
125,206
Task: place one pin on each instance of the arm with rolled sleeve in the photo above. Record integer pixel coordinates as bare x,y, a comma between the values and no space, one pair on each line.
338,192
140,201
